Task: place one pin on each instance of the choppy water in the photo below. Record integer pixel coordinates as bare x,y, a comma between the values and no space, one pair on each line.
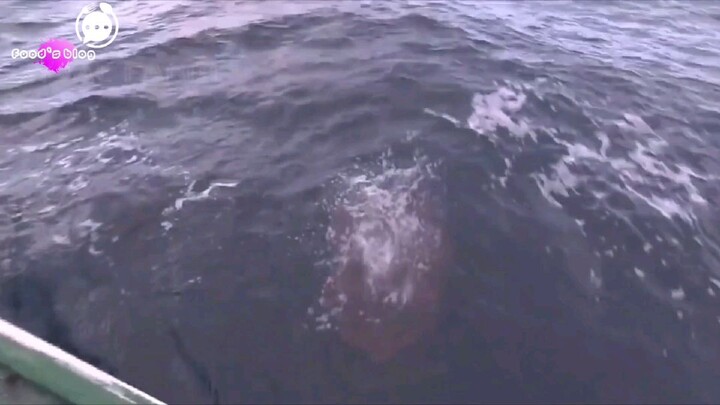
168,210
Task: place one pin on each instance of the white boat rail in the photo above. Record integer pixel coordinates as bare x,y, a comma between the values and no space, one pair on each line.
62,374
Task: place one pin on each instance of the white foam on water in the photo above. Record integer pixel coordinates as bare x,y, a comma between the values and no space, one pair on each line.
639,273
94,251
384,223
71,165
116,146
643,171
36,148
635,123
61,239
639,172
561,182
90,224
595,279
494,110
92,228
386,233
47,146
444,116
48,209
677,294
191,195
491,111
78,183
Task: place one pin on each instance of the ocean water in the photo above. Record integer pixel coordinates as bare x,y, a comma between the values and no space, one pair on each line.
371,201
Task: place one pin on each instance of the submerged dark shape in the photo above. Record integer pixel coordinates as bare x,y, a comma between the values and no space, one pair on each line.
392,260
29,302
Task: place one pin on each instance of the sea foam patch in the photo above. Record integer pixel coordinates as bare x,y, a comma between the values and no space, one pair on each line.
389,256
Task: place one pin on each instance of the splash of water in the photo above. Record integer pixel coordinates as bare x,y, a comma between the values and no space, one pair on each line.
390,256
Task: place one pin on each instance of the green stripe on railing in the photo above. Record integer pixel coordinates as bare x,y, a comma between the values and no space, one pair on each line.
61,373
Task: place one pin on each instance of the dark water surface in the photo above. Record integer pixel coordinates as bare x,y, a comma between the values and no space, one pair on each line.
167,210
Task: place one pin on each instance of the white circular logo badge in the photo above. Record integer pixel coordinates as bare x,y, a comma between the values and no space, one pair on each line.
97,25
